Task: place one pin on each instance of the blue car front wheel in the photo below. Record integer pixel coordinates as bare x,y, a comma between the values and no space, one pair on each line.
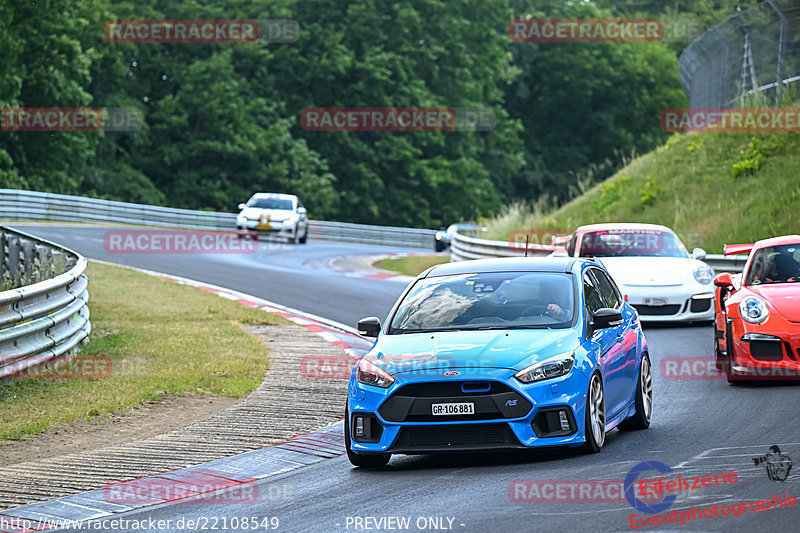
644,399
595,422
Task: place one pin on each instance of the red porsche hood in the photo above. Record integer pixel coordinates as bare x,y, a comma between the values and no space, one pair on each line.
784,297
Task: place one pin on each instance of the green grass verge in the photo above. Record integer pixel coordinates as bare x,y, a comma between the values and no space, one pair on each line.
711,188
161,337
413,265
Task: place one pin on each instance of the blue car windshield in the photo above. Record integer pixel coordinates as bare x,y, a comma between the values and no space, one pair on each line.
496,300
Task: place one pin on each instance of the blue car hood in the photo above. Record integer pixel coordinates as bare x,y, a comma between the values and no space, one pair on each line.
513,349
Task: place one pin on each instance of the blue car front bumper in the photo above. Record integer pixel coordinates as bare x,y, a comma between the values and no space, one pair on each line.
507,413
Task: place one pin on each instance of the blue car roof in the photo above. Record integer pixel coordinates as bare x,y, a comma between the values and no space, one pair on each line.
506,264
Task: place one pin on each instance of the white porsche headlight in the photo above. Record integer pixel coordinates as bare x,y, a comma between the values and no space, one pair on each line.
549,368
753,309
703,275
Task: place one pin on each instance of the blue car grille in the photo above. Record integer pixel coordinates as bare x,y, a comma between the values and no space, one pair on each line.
493,400
456,437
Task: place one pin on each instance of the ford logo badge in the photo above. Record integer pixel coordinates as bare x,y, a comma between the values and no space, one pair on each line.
452,373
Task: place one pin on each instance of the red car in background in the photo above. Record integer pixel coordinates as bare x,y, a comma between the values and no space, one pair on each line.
758,312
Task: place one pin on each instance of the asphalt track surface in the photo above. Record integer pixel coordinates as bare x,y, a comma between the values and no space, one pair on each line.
700,427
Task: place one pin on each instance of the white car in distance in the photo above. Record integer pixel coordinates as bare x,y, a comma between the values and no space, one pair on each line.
652,268
281,215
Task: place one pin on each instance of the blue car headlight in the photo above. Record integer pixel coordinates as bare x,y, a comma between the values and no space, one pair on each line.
369,374
703,275
753,309
549,368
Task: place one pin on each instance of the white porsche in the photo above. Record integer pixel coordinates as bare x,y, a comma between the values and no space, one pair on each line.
652,268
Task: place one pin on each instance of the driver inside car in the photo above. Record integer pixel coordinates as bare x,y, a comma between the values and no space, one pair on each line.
558,307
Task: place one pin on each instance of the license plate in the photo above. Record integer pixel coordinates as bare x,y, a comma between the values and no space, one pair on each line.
655,301
449,409
264,223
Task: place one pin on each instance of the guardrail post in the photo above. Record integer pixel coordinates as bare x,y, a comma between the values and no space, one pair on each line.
28,260
5,274
14,260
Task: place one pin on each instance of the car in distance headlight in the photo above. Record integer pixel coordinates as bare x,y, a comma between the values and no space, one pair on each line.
498,354
758,312
281,215
652,267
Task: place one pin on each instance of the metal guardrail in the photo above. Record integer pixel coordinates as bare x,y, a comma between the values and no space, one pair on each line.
46,315
721,263
464,248
31,205
365,234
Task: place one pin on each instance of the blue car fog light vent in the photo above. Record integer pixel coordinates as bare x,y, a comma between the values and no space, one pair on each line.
554,422
562,418
476,386
365,428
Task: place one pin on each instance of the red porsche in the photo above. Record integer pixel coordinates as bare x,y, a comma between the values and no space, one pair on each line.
758,312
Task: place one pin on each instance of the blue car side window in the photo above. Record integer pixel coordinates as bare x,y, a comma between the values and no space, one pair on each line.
591,296
607,289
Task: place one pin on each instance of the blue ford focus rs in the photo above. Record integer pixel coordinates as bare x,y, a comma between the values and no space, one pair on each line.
499,354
